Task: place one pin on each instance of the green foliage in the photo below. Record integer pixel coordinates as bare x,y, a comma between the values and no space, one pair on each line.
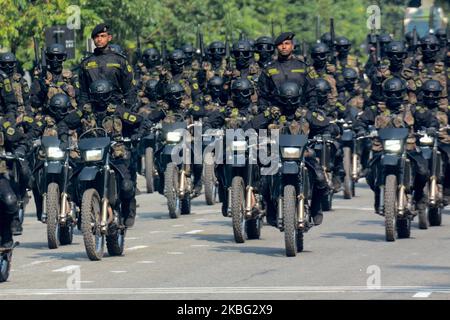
177,20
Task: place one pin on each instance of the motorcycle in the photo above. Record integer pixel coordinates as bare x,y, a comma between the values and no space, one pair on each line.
245,204
146,155
294,192
60,211
5,262
395,179
430,147
210,181
177,177
99,186
325,149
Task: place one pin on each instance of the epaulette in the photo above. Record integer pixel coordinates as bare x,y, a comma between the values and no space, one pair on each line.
119,54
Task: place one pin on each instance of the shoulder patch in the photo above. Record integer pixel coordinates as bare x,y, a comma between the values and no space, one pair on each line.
10,131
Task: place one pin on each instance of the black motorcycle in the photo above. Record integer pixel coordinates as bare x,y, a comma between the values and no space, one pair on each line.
99,185
325,149
395,180
431,150
293,192
210,182
146,158
5,262
242,177
60,211
177,176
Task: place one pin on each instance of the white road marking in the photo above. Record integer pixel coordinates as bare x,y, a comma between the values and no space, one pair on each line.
132,238
174,252
146,262
178,225
39,262
194,231
223,290
353,208
422,295
136,248
66,269
200,245
201,219
156,231
118,271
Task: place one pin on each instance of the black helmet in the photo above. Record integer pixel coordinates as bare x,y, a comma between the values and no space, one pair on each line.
8,63
323,89
297,46
150,89
117,48
101,91
242,49
429,45
215,86
174,93
319,51
241,91
343,45
326,38
432,89
189,51
350,75
441,34
394,90
216,50
59,106
177,57
55,55
396,51
151,57
265,44
409,36
385,38
290,95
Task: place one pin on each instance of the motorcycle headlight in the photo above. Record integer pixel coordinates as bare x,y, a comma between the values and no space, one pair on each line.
93,155
290,153
393,145
426,140
174,136
55,153
239,145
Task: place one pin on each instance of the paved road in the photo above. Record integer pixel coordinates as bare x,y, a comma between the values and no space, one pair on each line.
195,257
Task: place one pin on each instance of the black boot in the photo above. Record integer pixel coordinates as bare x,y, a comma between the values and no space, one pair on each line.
16,226
129,212
6,236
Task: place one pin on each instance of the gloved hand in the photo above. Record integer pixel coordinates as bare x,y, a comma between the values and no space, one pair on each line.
20,152
136,137
431,131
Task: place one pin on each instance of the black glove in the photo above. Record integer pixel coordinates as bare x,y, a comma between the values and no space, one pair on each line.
20,152
136,137
431,131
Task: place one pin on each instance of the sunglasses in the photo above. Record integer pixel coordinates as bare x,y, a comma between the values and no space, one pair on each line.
429,47
242,54
217,50
432,94
265,47
7,64
243,93
290,100
396,55
343,47
394,94
150,58
56,57
320,56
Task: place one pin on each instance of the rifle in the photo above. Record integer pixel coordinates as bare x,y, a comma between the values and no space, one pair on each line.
272,30
317,29
332,43
200,45
431,20
43,64
163,52
228,54
305,51
138,48
415,44
37,64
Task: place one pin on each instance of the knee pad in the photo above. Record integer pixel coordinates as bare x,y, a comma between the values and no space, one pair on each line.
10,203
127,189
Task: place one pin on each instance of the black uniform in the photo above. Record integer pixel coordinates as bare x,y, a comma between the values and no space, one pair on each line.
280,71
109,65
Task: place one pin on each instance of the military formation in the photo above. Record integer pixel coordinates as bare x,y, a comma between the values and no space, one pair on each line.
78,139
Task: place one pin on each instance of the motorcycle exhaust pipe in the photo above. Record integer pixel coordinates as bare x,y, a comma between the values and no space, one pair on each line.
355,167
44,208
301,211
182,183
280,214
401,200
249,202
433,190
63,214
104,221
